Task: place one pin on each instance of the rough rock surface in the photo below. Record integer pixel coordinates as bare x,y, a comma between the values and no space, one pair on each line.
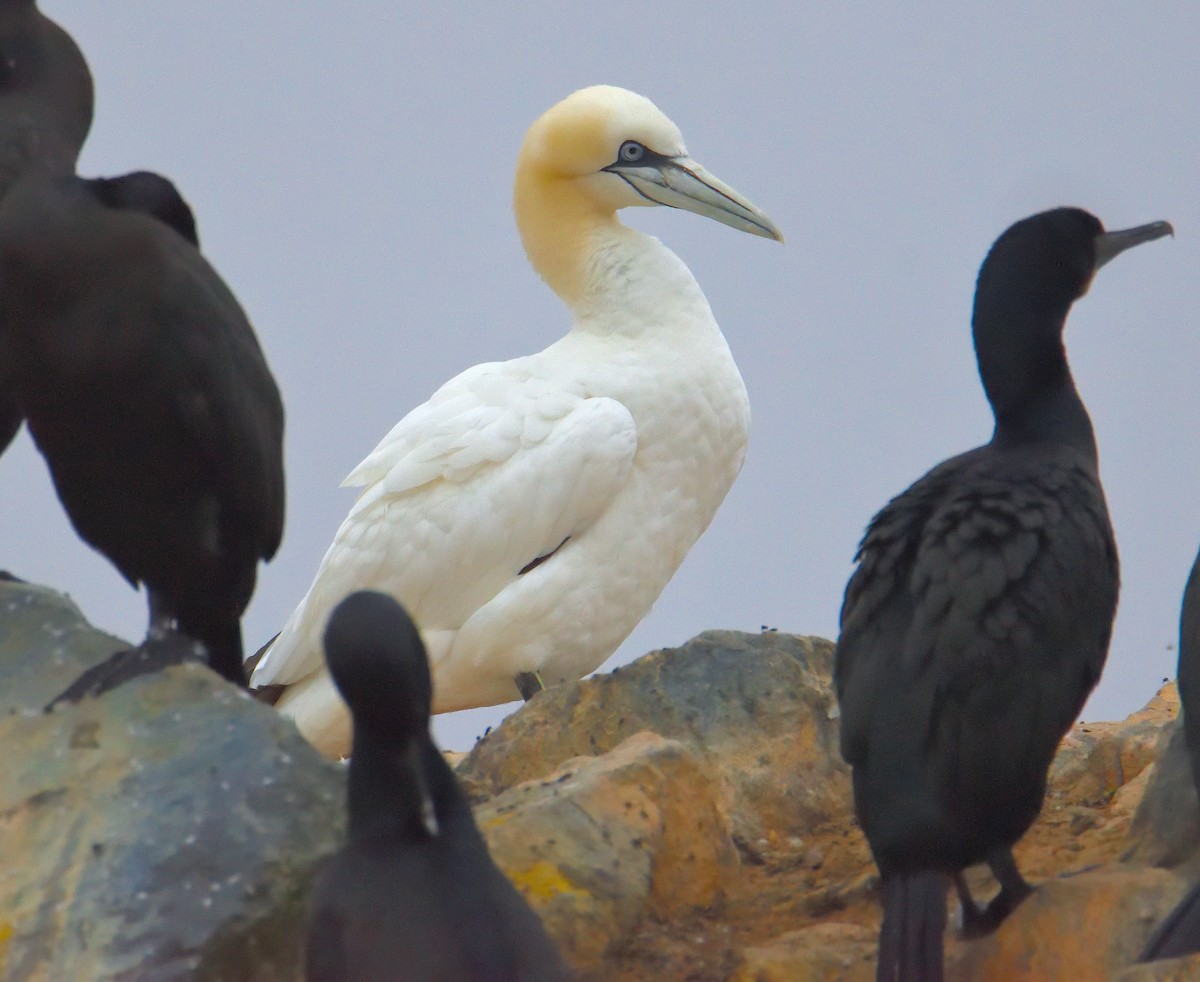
46,644
759,710
168,830
687,817
1166,827
605,841
1053,935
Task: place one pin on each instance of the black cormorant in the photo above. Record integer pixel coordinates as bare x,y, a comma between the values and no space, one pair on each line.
45,114
414,894
979,616
141,191
1179,934
144,387
151,194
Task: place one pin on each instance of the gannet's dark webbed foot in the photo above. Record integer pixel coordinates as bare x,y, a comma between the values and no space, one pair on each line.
529,684
129,663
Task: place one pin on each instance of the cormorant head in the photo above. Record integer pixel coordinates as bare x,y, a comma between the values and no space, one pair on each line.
45,93
378,663
1049,259
1033,274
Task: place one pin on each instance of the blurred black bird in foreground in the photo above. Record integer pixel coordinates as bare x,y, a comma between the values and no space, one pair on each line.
151,194
45,115
1179,934
144,387
979,617
414,894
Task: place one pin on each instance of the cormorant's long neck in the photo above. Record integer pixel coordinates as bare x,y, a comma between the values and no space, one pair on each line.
1023,365
387,793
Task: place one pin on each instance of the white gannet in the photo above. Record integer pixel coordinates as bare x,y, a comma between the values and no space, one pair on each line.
529,514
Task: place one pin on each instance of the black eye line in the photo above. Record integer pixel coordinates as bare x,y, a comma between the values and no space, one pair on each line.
649,158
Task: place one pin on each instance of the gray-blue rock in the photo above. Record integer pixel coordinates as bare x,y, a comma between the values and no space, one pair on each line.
170,829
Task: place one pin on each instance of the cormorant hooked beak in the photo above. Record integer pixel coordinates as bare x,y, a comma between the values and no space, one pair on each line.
680,182
1109,245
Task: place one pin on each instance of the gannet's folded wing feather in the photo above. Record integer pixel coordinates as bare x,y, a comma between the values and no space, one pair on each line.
473,419
460,497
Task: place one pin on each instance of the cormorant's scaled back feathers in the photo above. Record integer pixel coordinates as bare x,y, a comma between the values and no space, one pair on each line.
414,886
979,616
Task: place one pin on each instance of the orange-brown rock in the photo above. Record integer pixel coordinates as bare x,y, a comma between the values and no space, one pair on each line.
1170,970
605,841
758,709
1077,927
821,953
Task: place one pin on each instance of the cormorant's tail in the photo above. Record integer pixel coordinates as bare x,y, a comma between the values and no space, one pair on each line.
914,920
1179,934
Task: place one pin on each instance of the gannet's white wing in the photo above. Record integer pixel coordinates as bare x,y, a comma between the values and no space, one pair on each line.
501,467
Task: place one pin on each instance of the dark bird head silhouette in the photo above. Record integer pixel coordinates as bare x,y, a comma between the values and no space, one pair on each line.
45,93
45,114
414,893
979,616
378,662
1032,275
145,389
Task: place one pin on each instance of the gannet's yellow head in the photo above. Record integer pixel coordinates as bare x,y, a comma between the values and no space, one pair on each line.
620,150
601,149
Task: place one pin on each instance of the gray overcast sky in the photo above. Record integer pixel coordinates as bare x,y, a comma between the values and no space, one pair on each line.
350,165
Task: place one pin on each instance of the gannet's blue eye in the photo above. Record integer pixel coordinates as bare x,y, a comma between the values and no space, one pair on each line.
631,152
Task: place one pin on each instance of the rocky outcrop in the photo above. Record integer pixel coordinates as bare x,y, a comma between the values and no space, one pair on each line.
168,830
1166,827
757,710
686,817
604,842
1084,926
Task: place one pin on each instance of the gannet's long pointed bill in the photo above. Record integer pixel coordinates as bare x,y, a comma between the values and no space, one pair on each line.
680,182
